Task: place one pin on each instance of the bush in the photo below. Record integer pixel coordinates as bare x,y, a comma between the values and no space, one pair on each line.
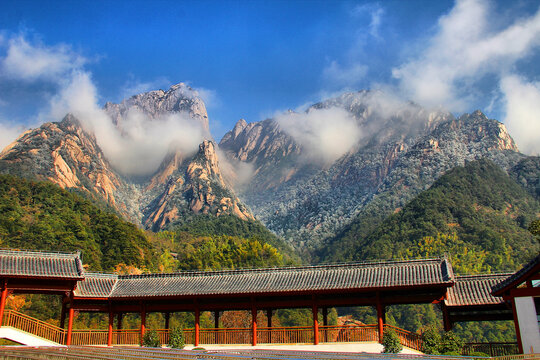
451,343
431,341
391,342
151,339
478,354
176,339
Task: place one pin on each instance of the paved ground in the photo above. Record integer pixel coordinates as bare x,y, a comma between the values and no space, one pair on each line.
369,347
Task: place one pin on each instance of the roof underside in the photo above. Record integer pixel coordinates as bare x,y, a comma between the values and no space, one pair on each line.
40,264
373,275
474,290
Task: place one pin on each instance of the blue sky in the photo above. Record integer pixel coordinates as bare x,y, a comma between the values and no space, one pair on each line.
253,59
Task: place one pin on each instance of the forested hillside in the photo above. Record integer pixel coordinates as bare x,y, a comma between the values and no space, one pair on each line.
42,216
476,213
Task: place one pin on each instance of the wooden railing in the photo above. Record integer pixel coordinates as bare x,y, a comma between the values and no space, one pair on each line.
407,338
89,337
33,326
492,349
348,333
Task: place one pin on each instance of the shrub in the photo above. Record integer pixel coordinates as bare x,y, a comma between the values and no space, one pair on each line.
451,343
151,339
176,338
478,354
391,342
431,341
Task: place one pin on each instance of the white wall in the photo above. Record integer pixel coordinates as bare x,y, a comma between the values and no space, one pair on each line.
528,324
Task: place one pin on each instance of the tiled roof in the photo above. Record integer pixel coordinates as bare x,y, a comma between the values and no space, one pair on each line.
474,290
96,285
15,263
518,277
366,275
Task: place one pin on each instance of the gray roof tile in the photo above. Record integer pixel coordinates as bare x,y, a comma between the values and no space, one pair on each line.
474,290
15,263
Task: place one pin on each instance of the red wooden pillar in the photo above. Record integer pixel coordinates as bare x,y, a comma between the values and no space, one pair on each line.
197,316
325,322
516,325
3,302
63,315
253,324
380,319
110,330
446,318
143,321
119,321
70,324
269,324
216,326
167,320
315,310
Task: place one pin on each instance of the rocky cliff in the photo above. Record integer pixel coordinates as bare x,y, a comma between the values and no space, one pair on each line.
65,154
406,149
185,184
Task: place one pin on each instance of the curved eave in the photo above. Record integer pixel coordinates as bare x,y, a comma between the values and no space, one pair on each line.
521,276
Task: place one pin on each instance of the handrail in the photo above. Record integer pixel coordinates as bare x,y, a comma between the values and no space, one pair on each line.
34,326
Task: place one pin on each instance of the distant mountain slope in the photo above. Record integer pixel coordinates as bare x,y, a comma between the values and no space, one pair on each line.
405,149
487,210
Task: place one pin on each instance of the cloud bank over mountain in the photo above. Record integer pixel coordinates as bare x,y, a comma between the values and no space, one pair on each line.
135,148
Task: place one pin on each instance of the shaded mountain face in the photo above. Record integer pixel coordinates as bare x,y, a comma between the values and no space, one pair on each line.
186,184
403,150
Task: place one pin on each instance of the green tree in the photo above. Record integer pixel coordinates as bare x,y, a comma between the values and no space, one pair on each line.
391,341
176,338
534,228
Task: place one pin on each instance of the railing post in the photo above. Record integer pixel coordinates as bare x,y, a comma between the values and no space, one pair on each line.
197,318
253,324
315,310
3,302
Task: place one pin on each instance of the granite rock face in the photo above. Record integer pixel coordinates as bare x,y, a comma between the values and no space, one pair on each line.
186,184
406,148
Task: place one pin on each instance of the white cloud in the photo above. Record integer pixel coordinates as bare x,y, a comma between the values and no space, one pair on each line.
344,76
140,144
375,12
32,61
9,133
522,117
325,134
464,50
134,87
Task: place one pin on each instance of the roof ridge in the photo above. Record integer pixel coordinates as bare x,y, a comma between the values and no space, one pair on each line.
22,252
369,263
483,275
